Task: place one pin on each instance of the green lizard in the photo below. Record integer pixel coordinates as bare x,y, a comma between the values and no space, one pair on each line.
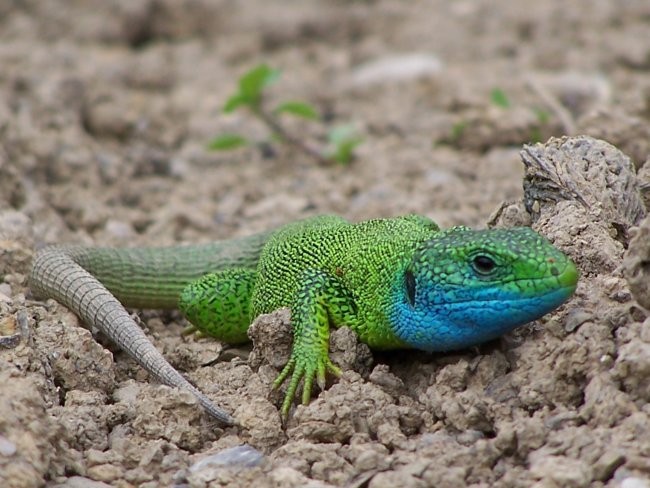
398,283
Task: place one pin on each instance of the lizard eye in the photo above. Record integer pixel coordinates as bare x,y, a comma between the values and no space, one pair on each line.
409,284
483,265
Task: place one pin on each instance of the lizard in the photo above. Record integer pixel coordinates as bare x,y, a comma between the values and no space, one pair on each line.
398,283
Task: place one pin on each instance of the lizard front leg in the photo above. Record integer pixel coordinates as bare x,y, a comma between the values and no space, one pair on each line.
321,300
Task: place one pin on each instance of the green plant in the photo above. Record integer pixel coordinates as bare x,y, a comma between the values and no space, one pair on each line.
499,98
543,117
457,130
343,140
251,96
465,128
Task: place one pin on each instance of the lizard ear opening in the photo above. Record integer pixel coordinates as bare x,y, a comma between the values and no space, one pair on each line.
409,285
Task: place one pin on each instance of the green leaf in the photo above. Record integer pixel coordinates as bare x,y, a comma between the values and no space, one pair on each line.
499,98
344,152
235,102
535,135
457,130
340,133
254,81
543,117
226,142
299,109
344,141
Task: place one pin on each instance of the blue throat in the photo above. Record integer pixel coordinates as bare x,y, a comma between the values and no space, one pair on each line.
468,320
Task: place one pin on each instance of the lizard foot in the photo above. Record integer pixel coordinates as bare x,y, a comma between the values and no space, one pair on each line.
299,368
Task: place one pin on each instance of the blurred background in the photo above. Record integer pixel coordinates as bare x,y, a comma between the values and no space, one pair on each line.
107,109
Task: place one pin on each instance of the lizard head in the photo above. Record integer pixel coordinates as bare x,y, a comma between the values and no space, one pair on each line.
469,286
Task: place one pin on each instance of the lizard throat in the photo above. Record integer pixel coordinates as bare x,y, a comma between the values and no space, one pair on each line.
465,323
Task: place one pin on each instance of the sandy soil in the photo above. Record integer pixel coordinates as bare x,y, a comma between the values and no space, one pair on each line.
105,112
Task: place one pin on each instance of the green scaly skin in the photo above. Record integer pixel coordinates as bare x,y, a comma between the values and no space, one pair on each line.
397,283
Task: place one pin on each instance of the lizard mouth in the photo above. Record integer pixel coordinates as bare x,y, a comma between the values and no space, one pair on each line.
569,276
518,308
559,283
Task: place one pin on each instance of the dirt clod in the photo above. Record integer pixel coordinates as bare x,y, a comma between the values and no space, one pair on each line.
637,263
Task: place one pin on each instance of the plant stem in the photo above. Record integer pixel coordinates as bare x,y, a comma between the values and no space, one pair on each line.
275,126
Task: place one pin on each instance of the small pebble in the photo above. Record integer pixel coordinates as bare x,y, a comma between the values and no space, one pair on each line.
7,448
119,229
5,289
575,320
391,69
244,456
632,482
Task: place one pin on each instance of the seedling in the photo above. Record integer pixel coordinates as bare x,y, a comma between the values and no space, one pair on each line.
543,118
343,140
251,96
498,98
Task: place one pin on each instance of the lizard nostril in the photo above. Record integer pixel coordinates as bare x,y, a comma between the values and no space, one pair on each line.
554,271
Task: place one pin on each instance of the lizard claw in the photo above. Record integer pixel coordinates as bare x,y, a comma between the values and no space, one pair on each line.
300,369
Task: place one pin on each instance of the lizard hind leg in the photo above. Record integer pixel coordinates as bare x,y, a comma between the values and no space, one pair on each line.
218,304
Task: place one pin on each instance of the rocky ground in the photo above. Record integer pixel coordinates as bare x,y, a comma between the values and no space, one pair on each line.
106,109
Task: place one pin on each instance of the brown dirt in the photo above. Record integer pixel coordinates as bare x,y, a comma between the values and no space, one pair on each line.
105,111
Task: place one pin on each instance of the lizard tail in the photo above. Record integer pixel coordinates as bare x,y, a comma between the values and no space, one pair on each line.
87,280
